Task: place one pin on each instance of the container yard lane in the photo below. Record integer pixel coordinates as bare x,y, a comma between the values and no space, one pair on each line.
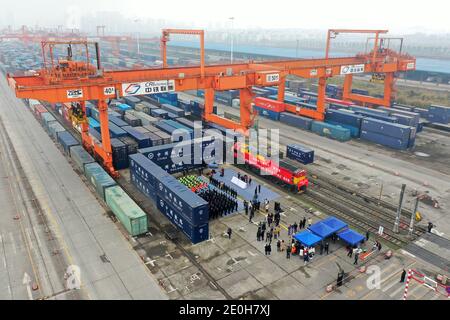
54,235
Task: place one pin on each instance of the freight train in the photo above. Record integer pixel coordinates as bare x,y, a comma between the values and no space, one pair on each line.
285,171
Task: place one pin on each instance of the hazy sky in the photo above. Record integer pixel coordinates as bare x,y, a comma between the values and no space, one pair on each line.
397,15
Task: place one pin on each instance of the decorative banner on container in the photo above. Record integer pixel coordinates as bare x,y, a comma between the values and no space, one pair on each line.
75,94
150,87
351,69
273,77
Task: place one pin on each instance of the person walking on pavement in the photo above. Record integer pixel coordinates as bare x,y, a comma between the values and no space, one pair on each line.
283,246
295,226
278,245
309,222
403,276
288,253
289,230
266,249
367,235
259,188
356,257
304,223
350,252
327,247
430,227
229,231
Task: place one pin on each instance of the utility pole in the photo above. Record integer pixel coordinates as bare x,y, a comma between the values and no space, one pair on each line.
399,210
413,216
137,38
232,38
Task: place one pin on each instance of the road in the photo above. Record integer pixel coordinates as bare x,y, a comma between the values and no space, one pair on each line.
61,226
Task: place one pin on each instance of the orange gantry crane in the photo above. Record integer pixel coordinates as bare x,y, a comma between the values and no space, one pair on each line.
26,35
79,81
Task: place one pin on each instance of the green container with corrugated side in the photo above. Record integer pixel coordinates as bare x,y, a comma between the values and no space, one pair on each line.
80,157
99,178
132,217
331,131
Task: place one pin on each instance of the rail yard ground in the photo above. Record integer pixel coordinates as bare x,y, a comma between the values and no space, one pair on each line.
159,264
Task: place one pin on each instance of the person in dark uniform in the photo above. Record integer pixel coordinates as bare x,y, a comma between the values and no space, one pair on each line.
403,276
229,231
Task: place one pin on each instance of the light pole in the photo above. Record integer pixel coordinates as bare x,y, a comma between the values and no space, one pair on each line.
232,38
137,38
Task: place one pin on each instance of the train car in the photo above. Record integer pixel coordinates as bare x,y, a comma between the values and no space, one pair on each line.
285,171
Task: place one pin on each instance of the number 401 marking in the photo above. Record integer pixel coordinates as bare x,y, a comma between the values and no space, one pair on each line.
108,91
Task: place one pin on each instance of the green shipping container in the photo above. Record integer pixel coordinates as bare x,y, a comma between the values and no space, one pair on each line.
331,131
127,211
80,157
99,178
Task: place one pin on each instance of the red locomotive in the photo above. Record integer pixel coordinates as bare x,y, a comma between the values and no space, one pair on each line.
284,171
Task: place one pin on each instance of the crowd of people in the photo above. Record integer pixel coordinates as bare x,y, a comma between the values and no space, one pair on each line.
222,200
223,187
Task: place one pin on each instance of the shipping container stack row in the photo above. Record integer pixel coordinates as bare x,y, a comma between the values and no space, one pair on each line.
432,114
397,128
186,210
132,217
276,110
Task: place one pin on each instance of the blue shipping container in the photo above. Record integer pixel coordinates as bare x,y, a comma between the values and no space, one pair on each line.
142,140
66,140
272,115
143,186
343,117
183,200
300,154
355,132
120,154
391,142
331,131
296,121
388,129
196,234
117,121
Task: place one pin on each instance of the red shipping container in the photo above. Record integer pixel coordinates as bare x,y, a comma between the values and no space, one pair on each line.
269,104
38,110
344,103
65,112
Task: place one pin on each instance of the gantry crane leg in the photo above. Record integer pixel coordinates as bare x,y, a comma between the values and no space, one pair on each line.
321,98
85,138
389,82
347,87
105,151
281,89
247,116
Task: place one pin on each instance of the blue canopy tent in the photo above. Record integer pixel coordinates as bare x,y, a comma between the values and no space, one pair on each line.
351,237
334,223
321,229
307,238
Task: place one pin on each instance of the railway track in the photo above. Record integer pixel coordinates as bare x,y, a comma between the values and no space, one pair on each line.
367,206
350,210
358,210
158,226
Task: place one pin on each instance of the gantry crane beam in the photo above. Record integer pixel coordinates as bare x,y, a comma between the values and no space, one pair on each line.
165,37
71,81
